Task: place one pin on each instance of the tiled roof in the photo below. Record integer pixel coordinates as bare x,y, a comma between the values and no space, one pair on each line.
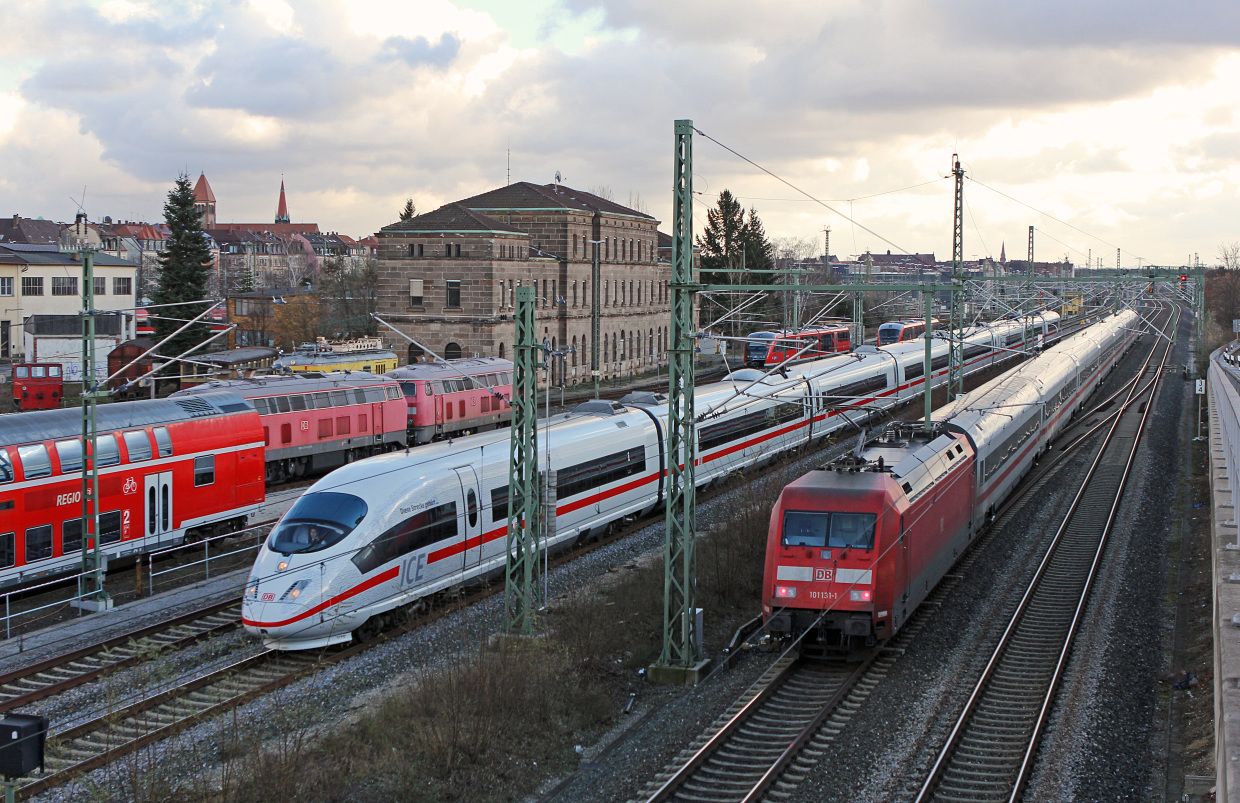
202,190
524,195
453,218
274,228
17,229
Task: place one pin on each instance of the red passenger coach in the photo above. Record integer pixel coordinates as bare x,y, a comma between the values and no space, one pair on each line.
313,422
168,469
38,386
456,397
854,548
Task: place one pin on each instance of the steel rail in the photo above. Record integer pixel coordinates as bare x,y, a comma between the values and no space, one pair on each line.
942,763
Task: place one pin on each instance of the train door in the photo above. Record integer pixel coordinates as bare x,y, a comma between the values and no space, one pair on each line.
376,422
471,514
158,498
438,398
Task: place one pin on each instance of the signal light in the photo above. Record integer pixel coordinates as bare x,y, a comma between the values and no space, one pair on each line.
785,592
861,595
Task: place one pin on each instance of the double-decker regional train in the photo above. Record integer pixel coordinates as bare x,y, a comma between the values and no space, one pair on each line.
386,532
854,548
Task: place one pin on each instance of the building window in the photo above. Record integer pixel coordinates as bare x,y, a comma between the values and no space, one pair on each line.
574,292
456,248
454,293
415,292
447,249
6,285
452,351
122,286
64,285
32,285
101,286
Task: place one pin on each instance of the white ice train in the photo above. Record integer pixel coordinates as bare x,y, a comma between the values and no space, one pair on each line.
385,532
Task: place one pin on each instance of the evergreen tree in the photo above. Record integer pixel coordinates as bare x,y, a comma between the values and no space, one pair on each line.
185,267
759,253
722,241
410,211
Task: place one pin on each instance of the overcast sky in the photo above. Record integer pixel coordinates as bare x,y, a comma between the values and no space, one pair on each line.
1119,117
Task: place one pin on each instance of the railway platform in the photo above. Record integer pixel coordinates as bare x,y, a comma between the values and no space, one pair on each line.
1224,448
57,639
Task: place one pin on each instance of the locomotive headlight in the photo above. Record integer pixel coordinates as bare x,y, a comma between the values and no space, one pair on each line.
294,591
861,595
251,590
785,592
282,565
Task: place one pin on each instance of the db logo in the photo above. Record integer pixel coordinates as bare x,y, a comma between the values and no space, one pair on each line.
269,597
305,426
130,487
822,574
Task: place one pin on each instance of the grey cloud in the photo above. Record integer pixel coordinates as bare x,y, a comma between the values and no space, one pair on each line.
420,52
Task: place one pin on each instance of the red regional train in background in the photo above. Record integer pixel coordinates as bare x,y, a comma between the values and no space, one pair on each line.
168,469
853,548
894,332
314,422
457,397
765,349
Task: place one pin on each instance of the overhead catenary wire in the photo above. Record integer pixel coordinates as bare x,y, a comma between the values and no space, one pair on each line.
795,188
847,200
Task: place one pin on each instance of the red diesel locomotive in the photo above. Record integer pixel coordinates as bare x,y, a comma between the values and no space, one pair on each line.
168,469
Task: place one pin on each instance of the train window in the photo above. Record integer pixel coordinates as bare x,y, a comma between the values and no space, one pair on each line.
342,425
340,398
600,471
316,521
109,453
914,370
35,461
163,441
282,404
261,406
359,396
428,388
410,389
204,470
460,409
138,443
374,395
325,428
940,362
784,412
71,537
23,372
8,554
499,504
731,430
6,466
286,433
416,532
486,404
70,454
471,507
838,530
38,543
298,403
110,525
393,392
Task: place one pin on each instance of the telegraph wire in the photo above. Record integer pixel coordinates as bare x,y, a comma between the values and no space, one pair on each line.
849,200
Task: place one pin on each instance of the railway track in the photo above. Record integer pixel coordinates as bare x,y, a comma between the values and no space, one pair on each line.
50,677
990,752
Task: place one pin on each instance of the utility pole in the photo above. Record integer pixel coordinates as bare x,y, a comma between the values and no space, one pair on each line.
595,303
92,594
1117,265
826,244
521,563
927,365
955,370
680,659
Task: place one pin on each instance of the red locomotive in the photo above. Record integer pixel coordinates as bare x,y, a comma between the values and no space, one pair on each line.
38,386
455,397
853,548
169,469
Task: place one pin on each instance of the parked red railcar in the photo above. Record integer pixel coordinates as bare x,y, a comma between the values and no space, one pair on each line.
455,397
169,469
764,349
313,422
38,386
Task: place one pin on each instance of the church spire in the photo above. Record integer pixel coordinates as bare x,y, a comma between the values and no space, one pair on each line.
1002,251
282,207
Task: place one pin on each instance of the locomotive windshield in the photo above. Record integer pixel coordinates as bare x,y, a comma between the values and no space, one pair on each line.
317,521
759,343
838,530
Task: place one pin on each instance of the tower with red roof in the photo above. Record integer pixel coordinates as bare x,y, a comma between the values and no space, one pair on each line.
282,207
204,201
